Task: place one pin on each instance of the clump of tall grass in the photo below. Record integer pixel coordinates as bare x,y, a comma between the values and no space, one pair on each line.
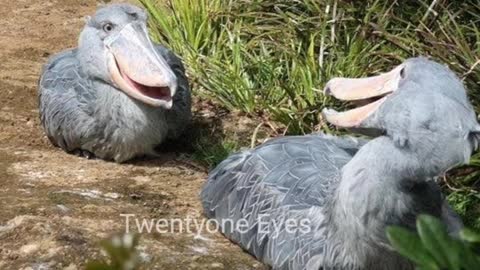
273,57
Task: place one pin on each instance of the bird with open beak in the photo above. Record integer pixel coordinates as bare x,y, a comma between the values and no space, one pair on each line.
118,95
347,190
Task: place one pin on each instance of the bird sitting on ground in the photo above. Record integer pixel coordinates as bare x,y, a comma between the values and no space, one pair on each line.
324,202
117,96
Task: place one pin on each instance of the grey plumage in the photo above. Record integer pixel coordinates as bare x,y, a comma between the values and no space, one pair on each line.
349,190
83,109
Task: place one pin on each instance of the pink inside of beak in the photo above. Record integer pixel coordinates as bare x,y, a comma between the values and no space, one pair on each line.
162,93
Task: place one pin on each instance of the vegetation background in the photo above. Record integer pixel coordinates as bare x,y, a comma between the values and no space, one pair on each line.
269,60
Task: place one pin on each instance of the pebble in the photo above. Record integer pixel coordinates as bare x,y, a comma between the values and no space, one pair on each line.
145,257
217,266
29,249
196,258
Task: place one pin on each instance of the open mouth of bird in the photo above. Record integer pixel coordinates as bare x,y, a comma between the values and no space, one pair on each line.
137,69
151,92
366,95
154,92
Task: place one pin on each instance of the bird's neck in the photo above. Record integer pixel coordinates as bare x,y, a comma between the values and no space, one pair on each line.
382,185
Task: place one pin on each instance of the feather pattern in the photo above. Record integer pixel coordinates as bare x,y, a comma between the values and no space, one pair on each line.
291,178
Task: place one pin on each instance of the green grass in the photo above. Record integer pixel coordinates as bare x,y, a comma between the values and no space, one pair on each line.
271,58
463,191
211,153
467,204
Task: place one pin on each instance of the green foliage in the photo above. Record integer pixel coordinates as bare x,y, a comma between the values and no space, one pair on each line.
273,57
466,203
211,153
463,195
433,249
122,254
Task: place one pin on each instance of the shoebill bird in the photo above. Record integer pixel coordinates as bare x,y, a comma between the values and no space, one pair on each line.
117,96
324,202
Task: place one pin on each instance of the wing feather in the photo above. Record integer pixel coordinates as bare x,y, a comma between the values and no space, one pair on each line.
65,102
290,178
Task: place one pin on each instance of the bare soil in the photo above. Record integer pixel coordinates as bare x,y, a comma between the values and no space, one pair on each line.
55,207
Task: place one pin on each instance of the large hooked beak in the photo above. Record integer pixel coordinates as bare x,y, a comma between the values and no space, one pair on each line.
137,69
370,92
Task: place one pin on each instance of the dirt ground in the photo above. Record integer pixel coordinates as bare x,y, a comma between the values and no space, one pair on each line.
55,207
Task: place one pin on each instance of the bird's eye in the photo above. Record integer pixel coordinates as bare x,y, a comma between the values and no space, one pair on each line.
402,73
108,27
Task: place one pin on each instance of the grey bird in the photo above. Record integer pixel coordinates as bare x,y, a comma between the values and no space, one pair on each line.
324,202
117,96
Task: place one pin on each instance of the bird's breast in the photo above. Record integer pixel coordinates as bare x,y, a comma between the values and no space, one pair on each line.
130,128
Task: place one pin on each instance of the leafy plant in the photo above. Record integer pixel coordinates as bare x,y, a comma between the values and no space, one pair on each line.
121,250
433,249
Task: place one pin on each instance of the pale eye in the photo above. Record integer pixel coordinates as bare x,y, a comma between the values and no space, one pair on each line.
108,27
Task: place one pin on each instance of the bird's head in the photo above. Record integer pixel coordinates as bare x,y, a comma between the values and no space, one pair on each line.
114,47
420,103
